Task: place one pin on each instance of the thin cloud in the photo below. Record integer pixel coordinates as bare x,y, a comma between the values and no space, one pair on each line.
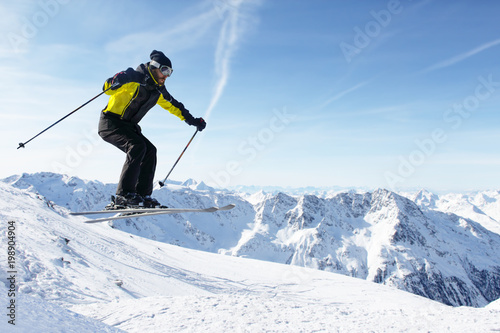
225,48
232,29
463,56
195,27
343,93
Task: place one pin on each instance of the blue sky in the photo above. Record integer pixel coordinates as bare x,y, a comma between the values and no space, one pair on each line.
391,94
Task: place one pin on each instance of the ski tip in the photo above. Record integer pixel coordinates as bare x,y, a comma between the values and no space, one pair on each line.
228,207
215,209
95,221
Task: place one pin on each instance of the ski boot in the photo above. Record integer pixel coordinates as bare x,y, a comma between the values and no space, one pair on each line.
129,200
150,202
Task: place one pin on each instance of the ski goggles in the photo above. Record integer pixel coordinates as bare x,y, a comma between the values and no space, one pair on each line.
164,69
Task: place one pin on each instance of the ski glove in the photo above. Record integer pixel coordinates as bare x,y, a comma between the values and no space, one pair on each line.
118,80
198,122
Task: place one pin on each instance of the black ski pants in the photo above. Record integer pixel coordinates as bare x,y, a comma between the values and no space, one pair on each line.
140,164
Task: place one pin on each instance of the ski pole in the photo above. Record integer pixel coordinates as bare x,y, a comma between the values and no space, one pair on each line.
21,145
164,180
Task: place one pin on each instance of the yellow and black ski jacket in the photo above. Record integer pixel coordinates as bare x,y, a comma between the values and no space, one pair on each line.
132,100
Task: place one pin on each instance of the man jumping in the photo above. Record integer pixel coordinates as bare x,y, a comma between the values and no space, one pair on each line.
133,93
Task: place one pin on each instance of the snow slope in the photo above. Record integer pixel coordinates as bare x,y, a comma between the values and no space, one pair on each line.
66,267
39,315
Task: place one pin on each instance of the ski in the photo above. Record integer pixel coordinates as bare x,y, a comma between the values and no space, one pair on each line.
141,212
123,210
148,210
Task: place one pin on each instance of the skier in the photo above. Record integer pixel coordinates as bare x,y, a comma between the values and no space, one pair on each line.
133,93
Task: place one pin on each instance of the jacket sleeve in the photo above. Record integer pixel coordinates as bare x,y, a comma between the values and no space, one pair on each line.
129,75
175,107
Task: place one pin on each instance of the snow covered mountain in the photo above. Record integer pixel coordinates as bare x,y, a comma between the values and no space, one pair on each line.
380,237
438,247
75,277
482,207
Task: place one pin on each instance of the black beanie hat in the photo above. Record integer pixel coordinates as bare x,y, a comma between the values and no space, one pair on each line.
160,58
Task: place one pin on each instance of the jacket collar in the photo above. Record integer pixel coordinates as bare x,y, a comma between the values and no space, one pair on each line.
149,80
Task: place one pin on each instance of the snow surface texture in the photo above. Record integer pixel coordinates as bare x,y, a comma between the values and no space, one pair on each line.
120,281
